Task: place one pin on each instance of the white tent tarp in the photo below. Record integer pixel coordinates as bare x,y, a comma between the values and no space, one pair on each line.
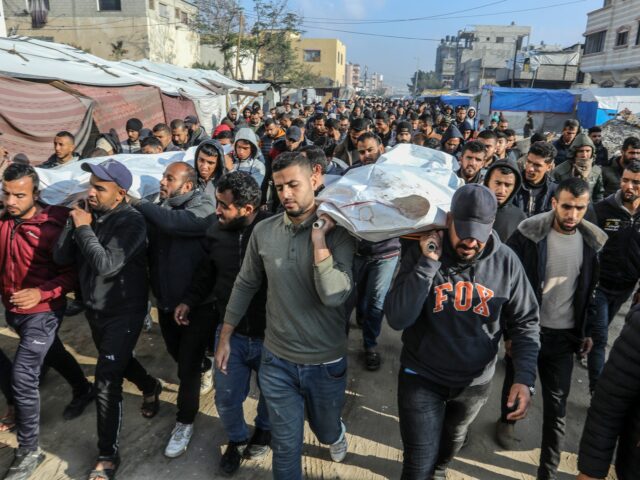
408,190
612,98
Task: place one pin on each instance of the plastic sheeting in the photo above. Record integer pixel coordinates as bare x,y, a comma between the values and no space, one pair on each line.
530,99
408,190
612,98
115,105
32,113
66,184
177,107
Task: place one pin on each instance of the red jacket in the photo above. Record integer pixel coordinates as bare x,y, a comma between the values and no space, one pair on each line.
26,259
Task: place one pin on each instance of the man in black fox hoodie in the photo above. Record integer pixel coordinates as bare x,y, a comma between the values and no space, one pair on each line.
450,303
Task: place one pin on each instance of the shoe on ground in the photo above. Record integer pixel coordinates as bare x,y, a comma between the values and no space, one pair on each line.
339,449
206,382
231,458
372,360
79,403
584,362
506,435
179,441
258,445
24,464
73,308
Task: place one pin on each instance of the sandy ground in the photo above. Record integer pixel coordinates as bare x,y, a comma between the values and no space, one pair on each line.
375,449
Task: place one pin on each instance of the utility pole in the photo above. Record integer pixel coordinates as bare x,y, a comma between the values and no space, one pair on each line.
238,46
415,81
515,58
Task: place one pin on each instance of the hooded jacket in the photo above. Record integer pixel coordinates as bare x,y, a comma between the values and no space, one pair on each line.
111,259
562,150
216,275
566,169
26,253
535,199
614,414
197,137
529,242
451,315
347,151
508,216
620,257
177,246
452,132
208,187
252,165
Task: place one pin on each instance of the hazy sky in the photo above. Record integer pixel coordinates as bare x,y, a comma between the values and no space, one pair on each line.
552,21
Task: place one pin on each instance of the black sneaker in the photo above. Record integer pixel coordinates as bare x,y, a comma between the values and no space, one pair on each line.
24,464
79,403
74,307
258,445
230,461
372,360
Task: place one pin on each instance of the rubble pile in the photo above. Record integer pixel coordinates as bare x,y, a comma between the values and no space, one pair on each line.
626,124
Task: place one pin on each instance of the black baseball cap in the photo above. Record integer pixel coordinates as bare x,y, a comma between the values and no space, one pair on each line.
294,133
403,127
190,120
473,208
110,171
359,124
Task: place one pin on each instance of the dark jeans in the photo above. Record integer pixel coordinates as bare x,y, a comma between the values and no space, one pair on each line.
434,421
232,389
115,338
186,344
37,332
555,366
509,375
601,314
289,390
373,278
5,377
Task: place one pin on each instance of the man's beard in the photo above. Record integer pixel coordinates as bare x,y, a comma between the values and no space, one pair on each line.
21,213
237,223
629,197
299,212
467,259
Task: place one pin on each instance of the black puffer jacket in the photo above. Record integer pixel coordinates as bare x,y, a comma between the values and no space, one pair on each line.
111,259
614,415
177,244
532,200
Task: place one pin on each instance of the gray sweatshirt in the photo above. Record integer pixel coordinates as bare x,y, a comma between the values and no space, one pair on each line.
306,315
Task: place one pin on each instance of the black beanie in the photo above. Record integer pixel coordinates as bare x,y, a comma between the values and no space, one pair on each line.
134,124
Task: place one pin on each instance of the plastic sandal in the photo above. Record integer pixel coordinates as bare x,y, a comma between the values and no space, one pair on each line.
149,409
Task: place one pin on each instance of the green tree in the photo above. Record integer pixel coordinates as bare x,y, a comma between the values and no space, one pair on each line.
426,80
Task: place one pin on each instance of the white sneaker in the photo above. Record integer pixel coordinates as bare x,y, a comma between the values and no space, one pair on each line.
179,441
206,382
339,449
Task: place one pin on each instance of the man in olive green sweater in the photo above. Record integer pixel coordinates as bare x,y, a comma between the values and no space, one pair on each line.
309,275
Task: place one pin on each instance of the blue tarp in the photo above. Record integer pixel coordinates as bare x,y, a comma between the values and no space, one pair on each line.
531,99
455,100
589,114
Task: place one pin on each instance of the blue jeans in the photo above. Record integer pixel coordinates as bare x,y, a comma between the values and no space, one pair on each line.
373,278
606,306
290,389
434,421
232,389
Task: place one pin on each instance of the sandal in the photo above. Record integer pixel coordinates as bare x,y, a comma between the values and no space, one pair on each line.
149,409
107,473
7,423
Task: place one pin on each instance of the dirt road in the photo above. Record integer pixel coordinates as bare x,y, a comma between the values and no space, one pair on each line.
375,449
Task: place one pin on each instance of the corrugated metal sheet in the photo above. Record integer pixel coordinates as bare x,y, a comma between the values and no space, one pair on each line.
32,113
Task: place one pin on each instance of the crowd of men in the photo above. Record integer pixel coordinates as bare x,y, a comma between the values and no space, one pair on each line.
541,250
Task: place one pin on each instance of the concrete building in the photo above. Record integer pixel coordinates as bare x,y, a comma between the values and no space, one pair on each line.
352,75
543,66
213,56
482,50
612,44
446,61
159,30
3,24
326,57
